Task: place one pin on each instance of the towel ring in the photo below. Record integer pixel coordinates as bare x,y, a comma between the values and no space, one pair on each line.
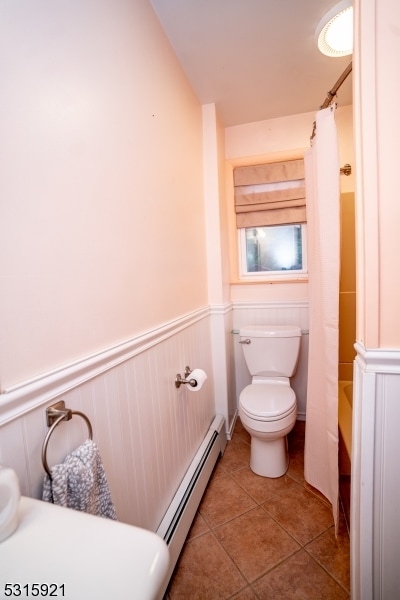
55,414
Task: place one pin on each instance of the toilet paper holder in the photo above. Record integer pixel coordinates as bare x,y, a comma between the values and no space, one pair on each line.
179,380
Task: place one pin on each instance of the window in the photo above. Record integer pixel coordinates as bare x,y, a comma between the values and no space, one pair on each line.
270,208
273,251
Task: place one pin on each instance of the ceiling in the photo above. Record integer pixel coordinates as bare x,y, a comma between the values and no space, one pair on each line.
255,59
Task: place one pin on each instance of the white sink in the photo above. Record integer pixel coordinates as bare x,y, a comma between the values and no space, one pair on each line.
92,557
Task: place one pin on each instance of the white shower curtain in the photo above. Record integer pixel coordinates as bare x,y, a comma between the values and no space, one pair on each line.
323,239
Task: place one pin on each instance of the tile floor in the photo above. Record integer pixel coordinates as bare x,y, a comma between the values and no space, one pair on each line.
259,538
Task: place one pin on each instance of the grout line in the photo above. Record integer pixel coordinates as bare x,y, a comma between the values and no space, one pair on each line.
326,569
230,474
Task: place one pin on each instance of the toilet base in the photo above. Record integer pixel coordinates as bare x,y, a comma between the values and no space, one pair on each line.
269,458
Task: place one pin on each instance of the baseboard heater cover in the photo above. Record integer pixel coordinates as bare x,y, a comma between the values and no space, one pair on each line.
180,514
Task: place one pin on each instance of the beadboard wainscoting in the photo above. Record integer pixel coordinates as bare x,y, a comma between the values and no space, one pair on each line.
147,430
273,313
375,476
224,364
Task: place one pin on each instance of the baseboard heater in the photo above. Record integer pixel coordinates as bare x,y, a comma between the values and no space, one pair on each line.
177,520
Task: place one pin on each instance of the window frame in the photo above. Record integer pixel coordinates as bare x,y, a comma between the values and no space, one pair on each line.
245,275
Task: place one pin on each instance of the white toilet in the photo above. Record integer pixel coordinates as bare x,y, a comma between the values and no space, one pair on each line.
267,407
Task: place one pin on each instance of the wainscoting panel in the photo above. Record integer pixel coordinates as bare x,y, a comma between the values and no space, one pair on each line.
271,313
375,523
224,364
146,429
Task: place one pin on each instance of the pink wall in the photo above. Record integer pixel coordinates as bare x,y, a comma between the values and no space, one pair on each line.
102,188
376,93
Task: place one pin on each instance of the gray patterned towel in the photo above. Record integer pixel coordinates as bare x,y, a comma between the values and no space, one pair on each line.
80,482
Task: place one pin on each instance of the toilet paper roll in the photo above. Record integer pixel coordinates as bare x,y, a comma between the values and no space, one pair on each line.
199,376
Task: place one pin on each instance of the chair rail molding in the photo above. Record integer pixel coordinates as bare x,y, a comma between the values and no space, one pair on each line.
27,395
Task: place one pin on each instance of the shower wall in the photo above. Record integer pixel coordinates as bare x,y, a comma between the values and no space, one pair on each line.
347,292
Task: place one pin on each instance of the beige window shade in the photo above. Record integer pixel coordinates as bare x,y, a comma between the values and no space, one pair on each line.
270,194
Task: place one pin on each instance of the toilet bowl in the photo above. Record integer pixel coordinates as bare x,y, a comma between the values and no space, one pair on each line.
267,407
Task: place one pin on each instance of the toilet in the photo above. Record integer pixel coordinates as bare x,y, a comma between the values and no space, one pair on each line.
267,407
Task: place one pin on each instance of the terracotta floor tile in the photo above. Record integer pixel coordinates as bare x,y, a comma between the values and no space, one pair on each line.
224,500
296,465
261,488
246,594
204,572
219,470
236,455
199,526
245,436
334,553
255,523
301,513
255,542
241,432
298,433
299,578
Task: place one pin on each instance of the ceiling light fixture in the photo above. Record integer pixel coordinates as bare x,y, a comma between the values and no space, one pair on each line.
335,31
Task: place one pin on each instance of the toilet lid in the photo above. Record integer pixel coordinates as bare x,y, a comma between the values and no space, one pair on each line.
268,402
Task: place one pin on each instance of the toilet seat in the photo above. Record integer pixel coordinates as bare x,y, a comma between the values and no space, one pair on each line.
269,402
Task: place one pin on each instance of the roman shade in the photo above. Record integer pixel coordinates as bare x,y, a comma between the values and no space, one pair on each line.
270,194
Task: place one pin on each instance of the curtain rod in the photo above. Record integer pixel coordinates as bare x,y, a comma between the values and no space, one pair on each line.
332,93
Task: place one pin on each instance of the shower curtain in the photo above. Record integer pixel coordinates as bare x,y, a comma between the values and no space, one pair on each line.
323,240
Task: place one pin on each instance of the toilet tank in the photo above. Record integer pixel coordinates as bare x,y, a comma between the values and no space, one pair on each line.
271,351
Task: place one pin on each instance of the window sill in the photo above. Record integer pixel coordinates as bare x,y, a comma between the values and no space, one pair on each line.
269,281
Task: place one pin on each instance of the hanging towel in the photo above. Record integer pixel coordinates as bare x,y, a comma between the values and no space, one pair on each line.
80,483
